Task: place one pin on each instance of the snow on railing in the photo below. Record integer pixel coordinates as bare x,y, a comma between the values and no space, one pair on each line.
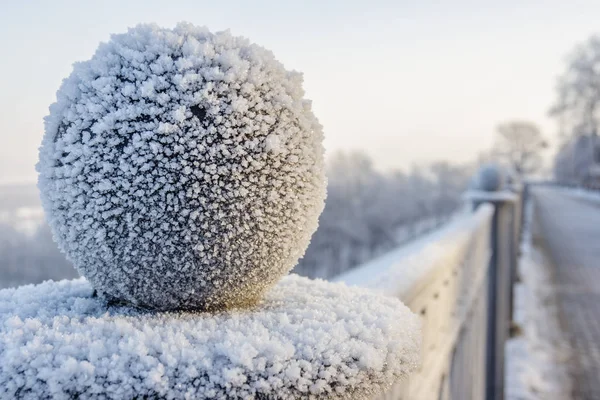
444,278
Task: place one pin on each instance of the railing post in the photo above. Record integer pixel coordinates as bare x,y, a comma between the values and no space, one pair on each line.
516,205
502,274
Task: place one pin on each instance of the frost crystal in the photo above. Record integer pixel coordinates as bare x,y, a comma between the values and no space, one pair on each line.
182,169
306,340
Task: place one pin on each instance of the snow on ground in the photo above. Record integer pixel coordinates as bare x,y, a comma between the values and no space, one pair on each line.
307,339
536,359
584,194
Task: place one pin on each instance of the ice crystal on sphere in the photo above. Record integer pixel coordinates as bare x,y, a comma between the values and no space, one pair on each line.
182,169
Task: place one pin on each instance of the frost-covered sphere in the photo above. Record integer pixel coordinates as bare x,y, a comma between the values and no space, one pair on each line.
182,169
490,178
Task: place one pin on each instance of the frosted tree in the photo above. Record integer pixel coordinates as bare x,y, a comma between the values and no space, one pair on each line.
420,187
564,164
577,109
450,182
574,160
577,105
366,210
519,144
26,259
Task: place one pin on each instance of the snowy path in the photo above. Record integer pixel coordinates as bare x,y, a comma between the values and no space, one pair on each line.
570,229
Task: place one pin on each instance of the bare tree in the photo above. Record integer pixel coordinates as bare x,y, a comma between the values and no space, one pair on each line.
519,144
450,181
577,107
368,212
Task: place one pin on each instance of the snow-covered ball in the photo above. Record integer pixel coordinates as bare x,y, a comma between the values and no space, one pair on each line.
182,169
490,178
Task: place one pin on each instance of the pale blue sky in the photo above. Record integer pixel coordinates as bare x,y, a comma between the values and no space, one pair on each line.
406,81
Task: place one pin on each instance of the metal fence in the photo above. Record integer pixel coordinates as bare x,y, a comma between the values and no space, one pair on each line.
459,279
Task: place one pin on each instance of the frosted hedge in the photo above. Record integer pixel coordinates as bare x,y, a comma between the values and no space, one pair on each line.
182,169
307,340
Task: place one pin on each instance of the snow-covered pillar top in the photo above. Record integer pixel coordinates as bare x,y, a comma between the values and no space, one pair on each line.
306,339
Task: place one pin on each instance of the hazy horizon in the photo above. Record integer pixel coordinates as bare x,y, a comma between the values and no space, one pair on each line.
406,83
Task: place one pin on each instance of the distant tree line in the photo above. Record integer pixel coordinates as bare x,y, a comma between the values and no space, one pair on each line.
577,110
518,147
30,258
368,212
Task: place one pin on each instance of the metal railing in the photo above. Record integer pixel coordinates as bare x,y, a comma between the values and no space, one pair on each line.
459,279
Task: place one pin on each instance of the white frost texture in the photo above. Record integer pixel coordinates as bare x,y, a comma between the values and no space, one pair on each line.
306,340
182,169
